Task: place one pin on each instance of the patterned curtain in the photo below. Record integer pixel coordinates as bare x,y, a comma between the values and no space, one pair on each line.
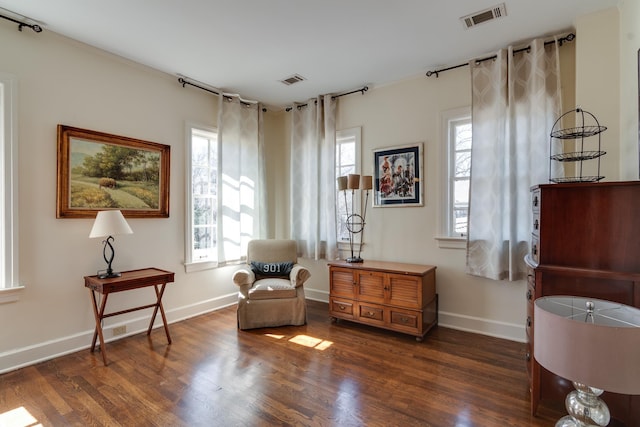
241,199
313,181
515,102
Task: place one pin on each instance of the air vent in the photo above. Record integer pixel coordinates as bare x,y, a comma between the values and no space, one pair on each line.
293,79
490,14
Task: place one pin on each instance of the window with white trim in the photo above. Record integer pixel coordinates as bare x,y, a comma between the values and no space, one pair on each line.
202,200
457,126
347,162
9,282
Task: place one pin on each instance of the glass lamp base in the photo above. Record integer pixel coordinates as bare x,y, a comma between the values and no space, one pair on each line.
585,408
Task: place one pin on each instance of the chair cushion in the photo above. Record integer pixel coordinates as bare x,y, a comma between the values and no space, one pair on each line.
271,269
272,288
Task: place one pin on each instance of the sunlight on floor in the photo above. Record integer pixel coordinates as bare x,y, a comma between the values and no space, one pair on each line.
18,417
306,340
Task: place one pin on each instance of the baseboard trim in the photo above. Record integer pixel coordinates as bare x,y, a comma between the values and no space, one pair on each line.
41,352
30,355
478,325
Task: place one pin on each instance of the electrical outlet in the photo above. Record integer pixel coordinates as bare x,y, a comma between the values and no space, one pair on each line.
119,330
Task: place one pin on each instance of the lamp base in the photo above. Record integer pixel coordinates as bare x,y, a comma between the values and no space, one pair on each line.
355,259
109,275
585,408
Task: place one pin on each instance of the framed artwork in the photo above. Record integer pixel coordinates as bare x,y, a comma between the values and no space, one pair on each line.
398,176
99,171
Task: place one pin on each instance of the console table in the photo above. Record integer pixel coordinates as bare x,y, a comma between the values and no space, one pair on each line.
390,295
129,280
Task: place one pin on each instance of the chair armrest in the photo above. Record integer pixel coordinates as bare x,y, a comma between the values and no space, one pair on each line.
244,276
299,275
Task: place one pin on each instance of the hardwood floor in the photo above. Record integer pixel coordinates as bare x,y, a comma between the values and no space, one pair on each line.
321,374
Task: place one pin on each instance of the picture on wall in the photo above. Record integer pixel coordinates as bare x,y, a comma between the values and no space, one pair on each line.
398,176
99,171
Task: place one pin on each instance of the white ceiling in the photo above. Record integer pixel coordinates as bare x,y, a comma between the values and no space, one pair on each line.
248,46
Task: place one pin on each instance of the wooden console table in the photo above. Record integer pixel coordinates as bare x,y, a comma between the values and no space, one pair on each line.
129,280
390,295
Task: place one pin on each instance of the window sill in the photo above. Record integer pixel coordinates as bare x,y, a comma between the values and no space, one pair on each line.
447,242
200,266
8,295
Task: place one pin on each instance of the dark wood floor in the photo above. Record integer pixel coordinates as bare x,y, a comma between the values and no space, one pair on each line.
321,374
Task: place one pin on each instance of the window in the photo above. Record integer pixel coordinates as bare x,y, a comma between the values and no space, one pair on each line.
347,161
202,200
457,133
8,190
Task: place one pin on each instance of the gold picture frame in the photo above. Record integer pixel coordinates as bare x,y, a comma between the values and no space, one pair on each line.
100,171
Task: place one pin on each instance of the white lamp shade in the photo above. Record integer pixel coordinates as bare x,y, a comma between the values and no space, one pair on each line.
603,353
109,223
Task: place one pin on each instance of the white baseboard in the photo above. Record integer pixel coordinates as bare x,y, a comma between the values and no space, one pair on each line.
478,325
21,357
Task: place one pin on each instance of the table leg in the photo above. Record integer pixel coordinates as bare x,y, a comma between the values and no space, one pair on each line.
98,330
159,294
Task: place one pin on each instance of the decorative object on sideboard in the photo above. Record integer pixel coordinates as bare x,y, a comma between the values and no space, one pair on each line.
595,344
109,224
586,126
355,222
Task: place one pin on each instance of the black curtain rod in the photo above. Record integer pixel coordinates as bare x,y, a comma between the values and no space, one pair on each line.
35,27
362,90
184,82
569,37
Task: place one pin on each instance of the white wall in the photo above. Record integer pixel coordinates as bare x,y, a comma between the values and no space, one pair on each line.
65,82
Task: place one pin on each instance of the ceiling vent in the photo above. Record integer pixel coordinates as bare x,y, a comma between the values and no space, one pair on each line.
486,15
296,78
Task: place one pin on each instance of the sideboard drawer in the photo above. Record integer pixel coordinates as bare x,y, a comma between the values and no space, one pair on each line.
341,308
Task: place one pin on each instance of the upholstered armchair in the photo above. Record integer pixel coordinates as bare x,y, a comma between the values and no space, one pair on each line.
271,286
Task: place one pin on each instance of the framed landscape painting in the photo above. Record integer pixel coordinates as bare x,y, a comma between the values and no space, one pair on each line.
99,171
398,176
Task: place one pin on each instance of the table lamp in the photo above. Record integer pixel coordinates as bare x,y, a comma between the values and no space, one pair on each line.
355,222
595,344
108,224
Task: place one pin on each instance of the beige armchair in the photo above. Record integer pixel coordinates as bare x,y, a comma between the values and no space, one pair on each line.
271,286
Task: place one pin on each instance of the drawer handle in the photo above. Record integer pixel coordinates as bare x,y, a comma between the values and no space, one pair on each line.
527,357
404,319
370,313
536,224
529,322
529,294
342,307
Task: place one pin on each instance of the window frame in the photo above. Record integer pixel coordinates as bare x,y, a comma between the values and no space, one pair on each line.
9,281
349,134
190,263
447,237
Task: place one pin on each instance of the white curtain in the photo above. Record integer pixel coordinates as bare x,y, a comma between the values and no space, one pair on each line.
313,181
241,197
515,102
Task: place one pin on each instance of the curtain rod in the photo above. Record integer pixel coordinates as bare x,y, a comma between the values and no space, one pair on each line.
362,90
185,82
569,37
35,27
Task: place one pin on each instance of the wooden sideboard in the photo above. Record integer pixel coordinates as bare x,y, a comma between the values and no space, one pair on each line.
585,242
390,295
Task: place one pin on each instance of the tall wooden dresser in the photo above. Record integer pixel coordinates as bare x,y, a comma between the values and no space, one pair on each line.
585,241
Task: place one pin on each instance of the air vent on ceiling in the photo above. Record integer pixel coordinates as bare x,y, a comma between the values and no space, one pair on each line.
292,79
486,15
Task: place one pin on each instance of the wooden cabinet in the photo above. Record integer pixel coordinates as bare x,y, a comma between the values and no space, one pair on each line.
396,296
584,242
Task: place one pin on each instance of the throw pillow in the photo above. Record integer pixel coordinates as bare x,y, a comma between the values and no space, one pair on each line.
272,269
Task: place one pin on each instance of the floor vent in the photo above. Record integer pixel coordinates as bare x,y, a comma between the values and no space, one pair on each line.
296,78
486,15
